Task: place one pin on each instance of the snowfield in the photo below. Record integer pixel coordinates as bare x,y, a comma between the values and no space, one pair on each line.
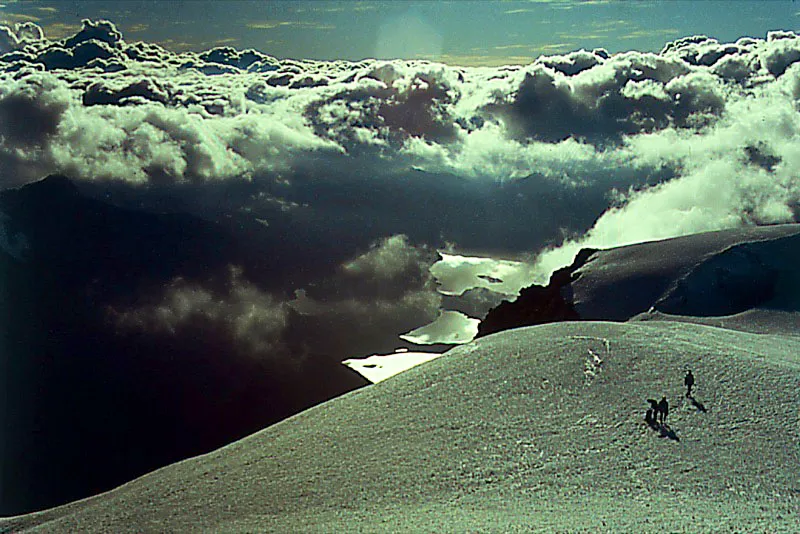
532,429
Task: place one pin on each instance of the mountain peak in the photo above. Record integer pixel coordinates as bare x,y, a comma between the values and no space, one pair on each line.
55,185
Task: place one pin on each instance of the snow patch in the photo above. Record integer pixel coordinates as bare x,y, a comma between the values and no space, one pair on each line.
596,353
379,367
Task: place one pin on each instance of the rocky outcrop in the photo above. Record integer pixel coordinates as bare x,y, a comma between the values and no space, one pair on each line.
750,270
539,304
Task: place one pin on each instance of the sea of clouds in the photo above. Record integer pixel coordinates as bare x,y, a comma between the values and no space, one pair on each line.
381,163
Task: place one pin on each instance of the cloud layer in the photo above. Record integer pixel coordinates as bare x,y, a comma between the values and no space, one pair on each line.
523,162
365,304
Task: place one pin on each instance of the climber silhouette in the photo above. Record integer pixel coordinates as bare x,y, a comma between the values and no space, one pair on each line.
663,410
651,416
688,381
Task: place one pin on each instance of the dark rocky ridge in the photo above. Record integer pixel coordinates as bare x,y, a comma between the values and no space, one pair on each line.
539,304
712,274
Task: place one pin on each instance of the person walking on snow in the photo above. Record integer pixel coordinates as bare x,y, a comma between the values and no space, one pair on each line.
688,382
653,411
663,410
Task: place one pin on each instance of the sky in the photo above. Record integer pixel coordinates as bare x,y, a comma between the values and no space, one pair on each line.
614,123
455,32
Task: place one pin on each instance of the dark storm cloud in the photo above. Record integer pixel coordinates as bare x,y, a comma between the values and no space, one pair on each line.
626,94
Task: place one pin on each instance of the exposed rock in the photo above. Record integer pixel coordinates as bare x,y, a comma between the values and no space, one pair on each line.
539,304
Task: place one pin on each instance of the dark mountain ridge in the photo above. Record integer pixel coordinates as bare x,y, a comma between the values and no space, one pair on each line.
712,274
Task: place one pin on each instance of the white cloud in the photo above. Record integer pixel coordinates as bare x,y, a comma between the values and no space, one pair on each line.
450,327
366,304
739,172
390,259
456,274
580,149
379,367
252,317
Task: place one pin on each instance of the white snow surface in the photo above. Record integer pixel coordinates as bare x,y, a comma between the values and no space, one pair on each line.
700,275
379,367
536,429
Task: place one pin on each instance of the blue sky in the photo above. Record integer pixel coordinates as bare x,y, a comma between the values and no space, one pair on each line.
456,32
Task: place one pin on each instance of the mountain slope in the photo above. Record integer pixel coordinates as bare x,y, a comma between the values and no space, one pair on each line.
702,275
537,428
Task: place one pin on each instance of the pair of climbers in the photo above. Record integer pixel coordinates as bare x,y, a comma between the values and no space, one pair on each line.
659,410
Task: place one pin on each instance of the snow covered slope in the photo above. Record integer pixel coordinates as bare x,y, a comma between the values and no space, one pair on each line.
537,428
713,273
753,271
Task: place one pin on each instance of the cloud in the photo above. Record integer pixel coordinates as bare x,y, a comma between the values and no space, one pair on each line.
580,148
451,327
11,18
136,28
366,303
379,367
60,30
741,171
253,318
370,300
301,25
456,274
654,32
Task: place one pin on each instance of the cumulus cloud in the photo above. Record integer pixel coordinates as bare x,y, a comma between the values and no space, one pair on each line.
585,148
742,171
456,274
450,327
371,299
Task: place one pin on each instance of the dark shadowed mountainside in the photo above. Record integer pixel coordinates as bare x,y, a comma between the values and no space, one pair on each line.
88,404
